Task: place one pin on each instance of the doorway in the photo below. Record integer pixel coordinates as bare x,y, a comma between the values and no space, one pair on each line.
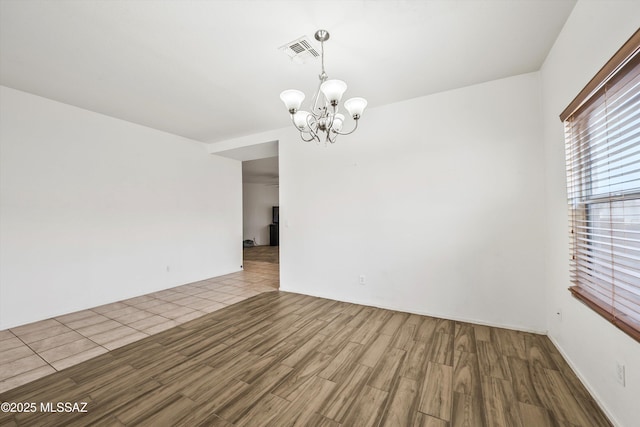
260,219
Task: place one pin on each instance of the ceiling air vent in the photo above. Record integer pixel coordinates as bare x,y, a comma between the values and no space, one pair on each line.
300,50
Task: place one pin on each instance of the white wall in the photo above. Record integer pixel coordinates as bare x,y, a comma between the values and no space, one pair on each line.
438,201
592,34
257,203
93,209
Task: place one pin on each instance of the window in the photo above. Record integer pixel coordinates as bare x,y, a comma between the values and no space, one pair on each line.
602,135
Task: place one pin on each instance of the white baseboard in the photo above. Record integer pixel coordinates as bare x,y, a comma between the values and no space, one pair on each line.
422,313
585,383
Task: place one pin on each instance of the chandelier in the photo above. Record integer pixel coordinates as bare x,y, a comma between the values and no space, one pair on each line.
323,121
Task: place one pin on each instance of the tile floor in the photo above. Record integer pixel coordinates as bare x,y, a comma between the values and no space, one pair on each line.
32,351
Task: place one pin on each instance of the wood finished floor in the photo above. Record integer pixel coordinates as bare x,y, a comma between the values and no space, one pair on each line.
265,261
282,359
268,254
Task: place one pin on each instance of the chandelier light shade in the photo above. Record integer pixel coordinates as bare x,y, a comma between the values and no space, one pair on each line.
300,120
338,120
355,107
323,121
292,99
333,90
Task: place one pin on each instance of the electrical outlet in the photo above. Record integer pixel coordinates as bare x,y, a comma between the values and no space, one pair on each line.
168,269
559,314
620,373
363,279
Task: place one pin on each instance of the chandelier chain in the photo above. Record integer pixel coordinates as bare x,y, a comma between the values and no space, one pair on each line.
322,58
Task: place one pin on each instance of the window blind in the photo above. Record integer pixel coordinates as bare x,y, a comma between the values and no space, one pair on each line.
602,141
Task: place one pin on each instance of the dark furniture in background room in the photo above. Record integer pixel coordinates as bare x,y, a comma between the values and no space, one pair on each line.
274,229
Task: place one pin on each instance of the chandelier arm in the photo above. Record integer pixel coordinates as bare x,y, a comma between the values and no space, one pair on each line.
294,123
350,132
304,139
313,133
335,136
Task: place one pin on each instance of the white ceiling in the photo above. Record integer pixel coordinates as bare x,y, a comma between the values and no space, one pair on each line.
252,152
261,171
211,70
